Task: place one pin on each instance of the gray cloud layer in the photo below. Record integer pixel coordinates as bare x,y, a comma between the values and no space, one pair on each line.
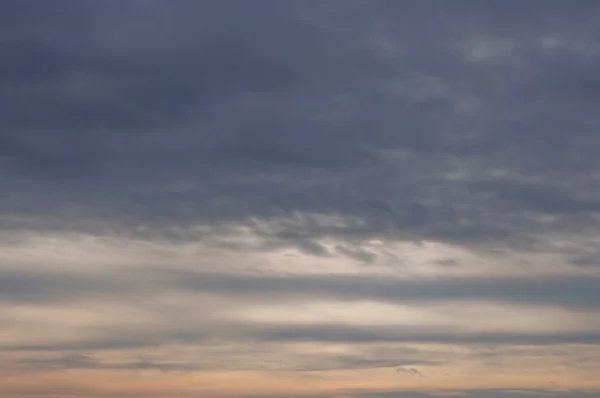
212,111
569,292
472,123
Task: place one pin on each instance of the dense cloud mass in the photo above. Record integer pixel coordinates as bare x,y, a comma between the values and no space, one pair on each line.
374,198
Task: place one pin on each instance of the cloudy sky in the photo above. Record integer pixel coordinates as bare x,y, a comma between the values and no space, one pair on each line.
286,198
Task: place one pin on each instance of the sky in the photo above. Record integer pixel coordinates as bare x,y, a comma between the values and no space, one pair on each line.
299,198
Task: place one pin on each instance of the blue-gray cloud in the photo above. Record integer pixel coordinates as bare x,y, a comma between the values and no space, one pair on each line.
268,108
567,292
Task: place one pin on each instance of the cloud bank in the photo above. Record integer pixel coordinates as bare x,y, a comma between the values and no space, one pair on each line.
377,197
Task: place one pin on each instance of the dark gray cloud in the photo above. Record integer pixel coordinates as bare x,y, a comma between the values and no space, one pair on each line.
410,371
47,288
311,364
567,292
572,292
79,361
233,110
318,333
343,333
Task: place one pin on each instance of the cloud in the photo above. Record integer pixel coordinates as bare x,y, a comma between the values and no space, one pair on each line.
576,293
410,371
283,108
339,333
350,186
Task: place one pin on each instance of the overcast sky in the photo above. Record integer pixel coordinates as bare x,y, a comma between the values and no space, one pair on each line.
285,198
